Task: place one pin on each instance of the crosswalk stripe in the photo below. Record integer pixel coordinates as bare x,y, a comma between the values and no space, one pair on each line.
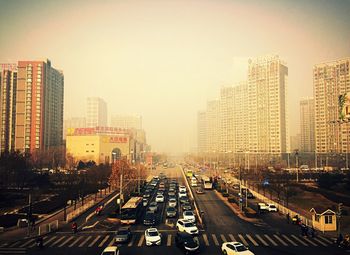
262,240
132,241
271,240
324,239
103,241
57,241
243,240
309,241
280,240
215,239
65,242
50,240
14,244
75,241
94,241
319,241
141,240
13,250
223,238
205,238
299,240
26,243
252,240
232,238
289,240
168,241
85,241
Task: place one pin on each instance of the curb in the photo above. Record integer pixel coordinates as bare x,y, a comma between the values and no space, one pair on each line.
235,210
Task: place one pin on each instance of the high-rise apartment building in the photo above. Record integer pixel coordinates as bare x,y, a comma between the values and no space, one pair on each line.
202,131
330,80
267,109
295,142
96,112
126,121
241,117
226,124
75,122
8,85
213,123
307,125
39,106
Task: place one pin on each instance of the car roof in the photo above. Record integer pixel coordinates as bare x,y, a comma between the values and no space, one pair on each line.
152,230
111,249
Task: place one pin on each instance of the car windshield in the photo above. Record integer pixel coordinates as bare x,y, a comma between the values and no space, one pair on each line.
188,213
171,209
188,225
153,204
152,233
272,206
241,248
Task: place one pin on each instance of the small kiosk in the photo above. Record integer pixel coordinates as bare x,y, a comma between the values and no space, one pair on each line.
324,219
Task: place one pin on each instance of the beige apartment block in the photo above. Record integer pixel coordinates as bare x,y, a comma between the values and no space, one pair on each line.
307,125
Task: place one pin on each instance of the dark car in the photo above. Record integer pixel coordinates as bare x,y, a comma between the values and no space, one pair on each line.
150,219
171,212
186,206
184,200
187,242
123,235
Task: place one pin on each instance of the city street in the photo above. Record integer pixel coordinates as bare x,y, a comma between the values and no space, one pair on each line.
221,225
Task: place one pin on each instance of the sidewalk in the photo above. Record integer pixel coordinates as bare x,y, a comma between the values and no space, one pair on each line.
15,233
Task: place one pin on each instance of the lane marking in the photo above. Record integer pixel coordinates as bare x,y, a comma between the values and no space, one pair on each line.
26,243
252,240
262,240
243,240
309,241
280,240
205,238
94,241
325,239
271,240
75,241
14,244
289,240
70,238
223,238
132,241
50,240
57,241
168,241
103,241
141,240
232,238
85,241
299,240
319,241
215,239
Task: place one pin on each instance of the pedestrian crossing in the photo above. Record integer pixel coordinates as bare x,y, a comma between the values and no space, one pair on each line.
81,240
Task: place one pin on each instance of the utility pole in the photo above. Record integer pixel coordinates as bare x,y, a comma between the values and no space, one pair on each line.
121,189
297,164
315,160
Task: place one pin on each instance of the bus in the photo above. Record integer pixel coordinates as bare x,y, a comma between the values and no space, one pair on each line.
131,210
207,182
189,173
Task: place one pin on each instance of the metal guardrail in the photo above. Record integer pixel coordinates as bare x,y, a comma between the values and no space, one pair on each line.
191,194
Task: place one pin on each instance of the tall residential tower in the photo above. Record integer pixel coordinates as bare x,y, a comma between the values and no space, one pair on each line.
307,125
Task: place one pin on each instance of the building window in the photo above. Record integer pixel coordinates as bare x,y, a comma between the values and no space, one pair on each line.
328,219
86,151
317,217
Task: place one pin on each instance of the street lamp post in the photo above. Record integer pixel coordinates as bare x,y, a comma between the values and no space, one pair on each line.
297,163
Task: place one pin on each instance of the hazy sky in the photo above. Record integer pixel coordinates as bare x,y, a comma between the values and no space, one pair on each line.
165,59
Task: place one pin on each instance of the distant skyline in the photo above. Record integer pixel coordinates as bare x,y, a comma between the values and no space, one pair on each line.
164,60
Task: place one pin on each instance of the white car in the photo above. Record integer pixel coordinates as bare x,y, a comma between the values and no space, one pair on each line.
182,189
262,206
160,198
111,250
153,206
235,248
189,215
187,226
272,208
182,194
172,202
153,237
